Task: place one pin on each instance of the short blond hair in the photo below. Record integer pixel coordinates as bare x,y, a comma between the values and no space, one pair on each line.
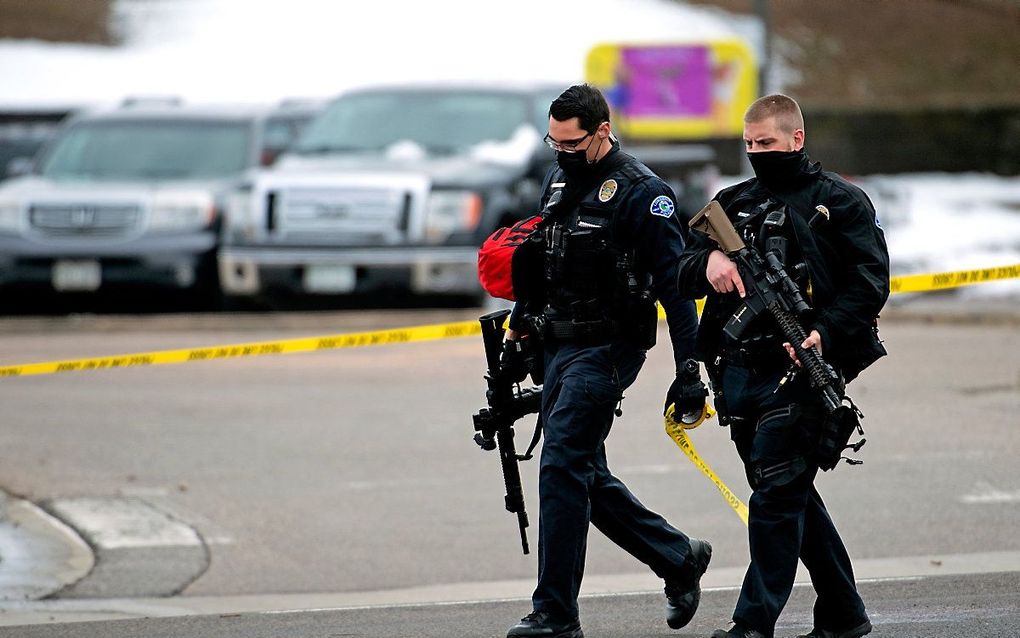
782,108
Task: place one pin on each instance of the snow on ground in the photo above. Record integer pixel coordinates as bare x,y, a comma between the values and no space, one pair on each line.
942,222
242,51
936,222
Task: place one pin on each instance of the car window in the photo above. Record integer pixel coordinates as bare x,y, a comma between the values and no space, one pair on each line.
151,149
22,140
280,131
439,122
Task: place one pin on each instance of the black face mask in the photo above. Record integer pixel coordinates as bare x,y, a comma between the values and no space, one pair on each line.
576,164
776,169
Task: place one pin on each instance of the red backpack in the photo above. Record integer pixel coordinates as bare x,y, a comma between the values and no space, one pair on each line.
495,257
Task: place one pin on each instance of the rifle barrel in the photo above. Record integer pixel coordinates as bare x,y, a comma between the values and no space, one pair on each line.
522,523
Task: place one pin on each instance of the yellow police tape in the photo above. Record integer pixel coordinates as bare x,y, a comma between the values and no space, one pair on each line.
933,281
678,433
309,344
945,280
909,283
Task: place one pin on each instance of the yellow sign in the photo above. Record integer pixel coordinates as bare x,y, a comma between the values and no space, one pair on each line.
675,91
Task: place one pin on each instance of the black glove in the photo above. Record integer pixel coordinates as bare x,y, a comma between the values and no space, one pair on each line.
687,391
515,362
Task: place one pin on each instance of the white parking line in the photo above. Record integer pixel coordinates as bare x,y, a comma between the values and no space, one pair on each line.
989,494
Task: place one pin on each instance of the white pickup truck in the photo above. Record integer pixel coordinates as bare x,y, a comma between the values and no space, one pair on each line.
390,187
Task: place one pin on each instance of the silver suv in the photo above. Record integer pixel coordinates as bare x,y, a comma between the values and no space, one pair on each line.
132,195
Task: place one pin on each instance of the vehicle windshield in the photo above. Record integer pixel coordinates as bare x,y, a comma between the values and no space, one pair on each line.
440,123
151,149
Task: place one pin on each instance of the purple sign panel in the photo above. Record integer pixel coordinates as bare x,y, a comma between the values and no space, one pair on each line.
664,82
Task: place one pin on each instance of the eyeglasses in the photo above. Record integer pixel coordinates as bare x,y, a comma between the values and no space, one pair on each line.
566,146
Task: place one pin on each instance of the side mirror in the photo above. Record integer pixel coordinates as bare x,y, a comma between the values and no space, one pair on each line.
18,166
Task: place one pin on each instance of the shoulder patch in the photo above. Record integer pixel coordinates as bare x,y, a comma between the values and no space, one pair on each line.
662,206
607,190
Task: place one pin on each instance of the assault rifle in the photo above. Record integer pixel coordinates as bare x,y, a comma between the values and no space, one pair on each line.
768,287
508,402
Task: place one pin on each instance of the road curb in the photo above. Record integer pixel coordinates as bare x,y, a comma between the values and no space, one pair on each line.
39,554
140,550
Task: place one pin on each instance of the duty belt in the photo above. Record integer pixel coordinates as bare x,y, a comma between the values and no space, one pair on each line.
584,331
760,358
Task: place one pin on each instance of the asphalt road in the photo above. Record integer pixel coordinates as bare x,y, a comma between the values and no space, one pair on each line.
933,607
348,478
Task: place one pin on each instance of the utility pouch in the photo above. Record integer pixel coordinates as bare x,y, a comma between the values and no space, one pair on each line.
587,265
837,428
644,321
867,349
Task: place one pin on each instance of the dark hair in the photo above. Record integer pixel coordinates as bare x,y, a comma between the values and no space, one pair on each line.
584,102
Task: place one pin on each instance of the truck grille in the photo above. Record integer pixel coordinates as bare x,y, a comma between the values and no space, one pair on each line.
339,216
84,220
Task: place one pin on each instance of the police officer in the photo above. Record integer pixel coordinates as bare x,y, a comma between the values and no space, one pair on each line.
835,247
607,247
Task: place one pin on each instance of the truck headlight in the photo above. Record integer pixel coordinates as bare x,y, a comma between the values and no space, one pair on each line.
10,215
173,211
449,212
239,212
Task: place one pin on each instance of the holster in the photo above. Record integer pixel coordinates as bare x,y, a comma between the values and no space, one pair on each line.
714,369
536,359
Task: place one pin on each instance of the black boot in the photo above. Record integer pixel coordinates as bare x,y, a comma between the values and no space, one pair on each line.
683,593
540,623
856,631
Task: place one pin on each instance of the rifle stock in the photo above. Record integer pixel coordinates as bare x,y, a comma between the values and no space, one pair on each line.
712,221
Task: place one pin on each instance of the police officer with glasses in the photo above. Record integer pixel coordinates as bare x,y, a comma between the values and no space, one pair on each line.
608,246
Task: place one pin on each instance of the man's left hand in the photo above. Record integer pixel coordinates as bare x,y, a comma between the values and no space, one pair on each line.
688,394
814,340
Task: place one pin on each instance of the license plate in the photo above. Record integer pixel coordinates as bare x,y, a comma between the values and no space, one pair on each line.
329,279
77,275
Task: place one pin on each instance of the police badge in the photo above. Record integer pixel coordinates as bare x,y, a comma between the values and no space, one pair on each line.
607,190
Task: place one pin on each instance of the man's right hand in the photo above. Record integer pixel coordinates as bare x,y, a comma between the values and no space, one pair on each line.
722,273
513,362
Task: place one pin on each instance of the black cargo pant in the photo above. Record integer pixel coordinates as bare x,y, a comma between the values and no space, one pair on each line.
582,387
774,432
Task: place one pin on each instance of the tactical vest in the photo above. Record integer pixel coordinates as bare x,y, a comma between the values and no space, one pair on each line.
593,289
